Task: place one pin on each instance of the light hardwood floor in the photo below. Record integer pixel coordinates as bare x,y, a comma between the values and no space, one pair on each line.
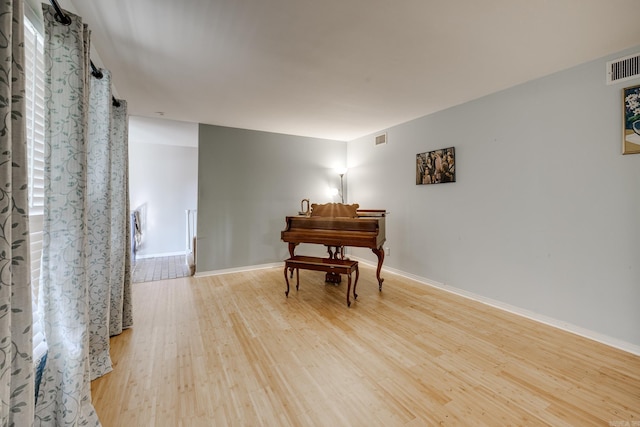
232,350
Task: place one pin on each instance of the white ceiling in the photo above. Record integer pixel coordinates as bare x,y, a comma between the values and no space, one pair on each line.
339,69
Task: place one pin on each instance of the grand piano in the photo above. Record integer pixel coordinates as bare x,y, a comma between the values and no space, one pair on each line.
336,225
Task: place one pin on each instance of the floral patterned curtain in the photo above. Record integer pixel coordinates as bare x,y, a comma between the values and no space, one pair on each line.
121,312
99,222
86,265
64,396
16,364
109,265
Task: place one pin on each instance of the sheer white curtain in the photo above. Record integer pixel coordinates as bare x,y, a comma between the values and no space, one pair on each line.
85,281
16,364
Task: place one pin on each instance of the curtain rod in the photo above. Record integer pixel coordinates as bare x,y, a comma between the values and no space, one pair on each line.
60,15
62,18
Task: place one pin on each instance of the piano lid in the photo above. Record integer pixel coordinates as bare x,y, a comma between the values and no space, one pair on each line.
340,210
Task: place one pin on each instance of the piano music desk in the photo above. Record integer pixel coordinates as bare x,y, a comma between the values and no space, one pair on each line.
328,265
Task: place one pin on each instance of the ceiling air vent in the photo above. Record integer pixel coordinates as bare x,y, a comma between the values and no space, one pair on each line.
623,69
381,139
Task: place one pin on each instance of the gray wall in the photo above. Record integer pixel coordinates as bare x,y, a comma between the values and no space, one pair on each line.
545,213
248,182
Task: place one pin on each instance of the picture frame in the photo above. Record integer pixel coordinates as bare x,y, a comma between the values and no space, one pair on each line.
631,120
436,167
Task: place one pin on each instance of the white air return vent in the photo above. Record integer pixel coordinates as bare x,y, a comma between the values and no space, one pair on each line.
623,69
381,139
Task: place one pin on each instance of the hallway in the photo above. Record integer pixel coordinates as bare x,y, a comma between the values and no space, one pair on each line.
162,268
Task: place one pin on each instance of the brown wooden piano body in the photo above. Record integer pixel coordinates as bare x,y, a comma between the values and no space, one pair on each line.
367,230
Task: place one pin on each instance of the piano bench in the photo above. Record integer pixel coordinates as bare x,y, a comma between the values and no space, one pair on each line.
337,266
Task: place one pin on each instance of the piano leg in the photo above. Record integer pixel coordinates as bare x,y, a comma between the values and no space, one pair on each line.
333,277
380,254
292,249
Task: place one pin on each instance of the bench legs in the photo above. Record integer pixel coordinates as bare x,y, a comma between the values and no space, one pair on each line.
355,283
355,296
287,278
297,269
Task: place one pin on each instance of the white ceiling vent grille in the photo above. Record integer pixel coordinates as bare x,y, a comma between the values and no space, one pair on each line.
623,69
381,139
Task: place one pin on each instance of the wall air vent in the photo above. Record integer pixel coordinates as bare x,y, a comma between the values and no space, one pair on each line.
623,69
381,139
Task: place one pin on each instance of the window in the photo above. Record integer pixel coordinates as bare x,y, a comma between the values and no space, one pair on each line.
34,80
34,59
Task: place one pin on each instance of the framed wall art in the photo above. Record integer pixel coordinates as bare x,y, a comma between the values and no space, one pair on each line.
631,126
436,167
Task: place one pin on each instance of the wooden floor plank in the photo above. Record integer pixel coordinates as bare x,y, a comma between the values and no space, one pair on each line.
233,350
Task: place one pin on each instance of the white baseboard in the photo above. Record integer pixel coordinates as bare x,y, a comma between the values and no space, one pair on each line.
238,269
577,330
166,254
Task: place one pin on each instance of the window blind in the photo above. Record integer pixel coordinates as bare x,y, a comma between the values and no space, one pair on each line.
34,58
34,80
